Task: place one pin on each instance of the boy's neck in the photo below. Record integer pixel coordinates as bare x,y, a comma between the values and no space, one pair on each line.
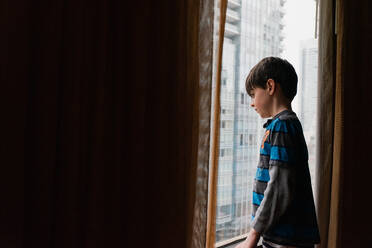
279,108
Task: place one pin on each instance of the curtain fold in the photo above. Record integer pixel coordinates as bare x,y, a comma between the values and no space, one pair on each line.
215,124
337,172
326,106
202,113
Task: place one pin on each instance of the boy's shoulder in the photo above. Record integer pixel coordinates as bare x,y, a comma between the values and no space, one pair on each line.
286,115
283,121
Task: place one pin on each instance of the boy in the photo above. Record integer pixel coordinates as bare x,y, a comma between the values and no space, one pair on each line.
283,205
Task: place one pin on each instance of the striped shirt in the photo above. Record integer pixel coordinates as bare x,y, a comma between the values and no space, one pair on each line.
283,204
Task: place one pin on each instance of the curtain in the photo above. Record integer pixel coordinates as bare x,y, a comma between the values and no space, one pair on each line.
345,219
65,133
353,103
219,31
326,105
106,121
199,187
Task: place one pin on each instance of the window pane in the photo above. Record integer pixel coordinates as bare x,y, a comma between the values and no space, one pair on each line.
256,29
301,49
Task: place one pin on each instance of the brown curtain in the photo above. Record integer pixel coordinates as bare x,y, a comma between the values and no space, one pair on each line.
105,128
353,108
68,154
345,219
326,105
219,31
203,47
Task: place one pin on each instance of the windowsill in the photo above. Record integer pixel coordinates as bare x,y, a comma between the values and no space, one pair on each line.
231,241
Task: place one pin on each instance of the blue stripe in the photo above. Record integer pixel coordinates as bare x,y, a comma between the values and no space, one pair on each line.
278,126
257,198
266,149
262,175
279,153
270,126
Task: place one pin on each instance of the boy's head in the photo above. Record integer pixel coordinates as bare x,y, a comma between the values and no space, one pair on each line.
271,77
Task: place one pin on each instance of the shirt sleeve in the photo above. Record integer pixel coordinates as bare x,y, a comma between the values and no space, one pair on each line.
278,193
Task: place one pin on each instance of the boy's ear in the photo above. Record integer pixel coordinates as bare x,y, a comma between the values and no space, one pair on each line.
270,86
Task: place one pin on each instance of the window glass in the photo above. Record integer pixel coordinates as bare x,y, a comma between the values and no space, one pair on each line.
255,29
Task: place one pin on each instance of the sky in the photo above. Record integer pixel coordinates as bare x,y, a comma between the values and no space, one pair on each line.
299,24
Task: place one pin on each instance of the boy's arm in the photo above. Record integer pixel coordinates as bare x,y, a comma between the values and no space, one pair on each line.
276,198
251,240
279,190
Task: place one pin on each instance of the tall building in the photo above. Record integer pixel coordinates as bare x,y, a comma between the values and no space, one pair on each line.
307,92
253,30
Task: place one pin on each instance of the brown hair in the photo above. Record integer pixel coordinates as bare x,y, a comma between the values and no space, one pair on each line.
277,69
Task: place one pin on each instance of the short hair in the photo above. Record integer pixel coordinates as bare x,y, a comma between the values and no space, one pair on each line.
277,69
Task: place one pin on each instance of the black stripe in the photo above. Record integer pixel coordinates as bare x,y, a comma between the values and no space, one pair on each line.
272,131
259,187
282,140
264,162
254,209
260,180
279,163
256,192
264,155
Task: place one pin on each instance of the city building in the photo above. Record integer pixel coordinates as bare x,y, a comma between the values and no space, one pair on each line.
253,30
307,97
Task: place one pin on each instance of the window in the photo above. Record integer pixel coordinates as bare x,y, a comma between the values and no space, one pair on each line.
223,78
255,29
251,139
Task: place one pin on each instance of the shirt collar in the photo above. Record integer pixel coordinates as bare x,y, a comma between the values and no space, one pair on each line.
276,116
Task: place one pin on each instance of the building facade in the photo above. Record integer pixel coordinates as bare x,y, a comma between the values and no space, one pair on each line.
253,30
308,97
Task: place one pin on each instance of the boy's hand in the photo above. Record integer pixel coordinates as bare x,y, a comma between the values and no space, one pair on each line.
251,240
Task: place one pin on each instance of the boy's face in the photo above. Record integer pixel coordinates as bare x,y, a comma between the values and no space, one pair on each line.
262,101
